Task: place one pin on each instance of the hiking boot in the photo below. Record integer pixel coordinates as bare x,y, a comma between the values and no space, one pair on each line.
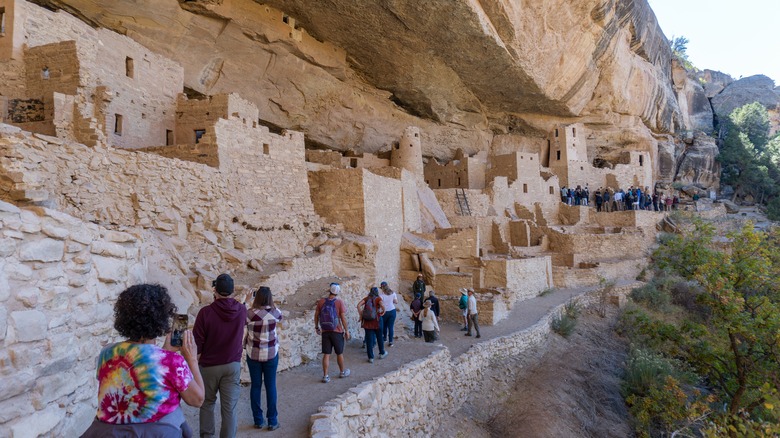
390,344
273,426
478,336
464,329
325,378
371,360
344,373
383,355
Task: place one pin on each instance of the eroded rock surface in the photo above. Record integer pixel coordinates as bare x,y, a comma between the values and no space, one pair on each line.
459,70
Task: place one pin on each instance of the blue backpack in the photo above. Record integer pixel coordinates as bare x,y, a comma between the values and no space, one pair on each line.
329,318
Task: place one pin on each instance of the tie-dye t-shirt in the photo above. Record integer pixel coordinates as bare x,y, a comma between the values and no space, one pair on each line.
139,383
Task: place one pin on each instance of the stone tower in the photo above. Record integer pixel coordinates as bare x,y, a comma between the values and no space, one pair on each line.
407,153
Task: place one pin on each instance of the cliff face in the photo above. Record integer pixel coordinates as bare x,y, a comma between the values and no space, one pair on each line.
352,75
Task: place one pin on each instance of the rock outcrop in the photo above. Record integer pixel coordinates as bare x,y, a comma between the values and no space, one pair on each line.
698,165
459,70
758,88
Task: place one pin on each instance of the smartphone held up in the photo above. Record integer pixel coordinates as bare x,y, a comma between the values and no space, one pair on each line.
180,323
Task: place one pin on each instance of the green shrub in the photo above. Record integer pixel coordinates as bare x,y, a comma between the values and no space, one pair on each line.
563,324
653,295
571,309
645,369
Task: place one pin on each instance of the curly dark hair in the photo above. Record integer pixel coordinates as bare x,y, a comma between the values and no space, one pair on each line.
143,311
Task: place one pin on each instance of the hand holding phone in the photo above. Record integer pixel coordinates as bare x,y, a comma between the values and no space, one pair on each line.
180,323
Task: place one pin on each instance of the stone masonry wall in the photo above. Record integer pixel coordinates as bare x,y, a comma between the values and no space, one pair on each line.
130,80
338,197
415,399
258,203
384,222
522,278
59,278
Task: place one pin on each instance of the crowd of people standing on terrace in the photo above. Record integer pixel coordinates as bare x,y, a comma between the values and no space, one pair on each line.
608,199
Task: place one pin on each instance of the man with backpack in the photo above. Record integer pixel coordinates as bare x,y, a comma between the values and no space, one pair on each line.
330,320
463,305
370,310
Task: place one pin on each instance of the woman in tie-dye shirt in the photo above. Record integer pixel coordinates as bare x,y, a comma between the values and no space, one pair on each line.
139,382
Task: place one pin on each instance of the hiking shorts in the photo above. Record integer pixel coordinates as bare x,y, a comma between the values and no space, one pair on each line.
332,341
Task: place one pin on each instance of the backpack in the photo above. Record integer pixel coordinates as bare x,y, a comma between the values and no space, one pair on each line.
329,318
369,310
464,302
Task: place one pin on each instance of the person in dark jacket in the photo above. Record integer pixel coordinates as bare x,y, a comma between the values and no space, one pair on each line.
418,287
416,307
219,333
434,302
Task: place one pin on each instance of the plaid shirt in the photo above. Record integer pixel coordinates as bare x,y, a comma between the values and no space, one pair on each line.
261,341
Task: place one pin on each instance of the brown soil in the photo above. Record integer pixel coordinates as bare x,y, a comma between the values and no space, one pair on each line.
571,388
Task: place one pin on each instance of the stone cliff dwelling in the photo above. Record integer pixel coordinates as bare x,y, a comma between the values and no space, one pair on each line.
111,174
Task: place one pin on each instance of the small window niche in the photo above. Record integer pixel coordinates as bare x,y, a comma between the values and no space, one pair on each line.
556,132
552,190
266,149
353,162
439,182
573,132
558,155
641,160
45,73
458,181
199,133
129,67
168,137
118,123
2,21
525,188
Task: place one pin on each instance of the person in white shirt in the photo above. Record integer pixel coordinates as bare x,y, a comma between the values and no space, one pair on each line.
389,300
430,325
472,314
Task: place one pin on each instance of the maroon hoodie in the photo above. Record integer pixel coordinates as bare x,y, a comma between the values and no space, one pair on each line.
219,332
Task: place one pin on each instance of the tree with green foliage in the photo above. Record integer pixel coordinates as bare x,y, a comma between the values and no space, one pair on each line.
753,121
729,337
680,50
750,159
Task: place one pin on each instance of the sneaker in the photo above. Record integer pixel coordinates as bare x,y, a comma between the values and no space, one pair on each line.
273,426
390,344
325,378
467,334
344,373
383,355
464,329
478,336
370,360
259,426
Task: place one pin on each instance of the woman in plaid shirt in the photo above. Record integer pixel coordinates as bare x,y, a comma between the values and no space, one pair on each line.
262,355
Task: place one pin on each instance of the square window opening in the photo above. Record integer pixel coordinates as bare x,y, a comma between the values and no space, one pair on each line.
199,133
266,149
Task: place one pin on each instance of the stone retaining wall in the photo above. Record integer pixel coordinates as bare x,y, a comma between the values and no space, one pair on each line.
415,399
59,279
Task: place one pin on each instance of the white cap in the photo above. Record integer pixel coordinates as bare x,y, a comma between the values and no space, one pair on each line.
335,288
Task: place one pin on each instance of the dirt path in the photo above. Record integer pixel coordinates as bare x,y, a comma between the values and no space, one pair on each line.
300,391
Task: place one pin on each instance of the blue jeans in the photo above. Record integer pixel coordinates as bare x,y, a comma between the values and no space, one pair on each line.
388,326
259,371
372,335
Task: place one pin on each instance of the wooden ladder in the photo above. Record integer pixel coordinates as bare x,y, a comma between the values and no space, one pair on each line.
463,202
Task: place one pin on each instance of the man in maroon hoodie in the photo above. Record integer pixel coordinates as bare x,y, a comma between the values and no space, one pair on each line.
219,332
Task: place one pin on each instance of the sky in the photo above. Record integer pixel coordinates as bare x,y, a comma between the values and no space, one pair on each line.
737,37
